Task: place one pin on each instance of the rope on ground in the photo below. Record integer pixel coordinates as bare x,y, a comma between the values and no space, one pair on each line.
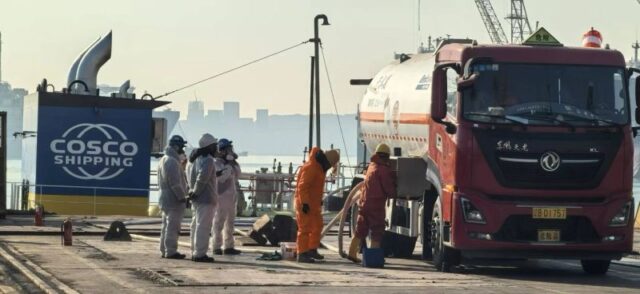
335,107
232,69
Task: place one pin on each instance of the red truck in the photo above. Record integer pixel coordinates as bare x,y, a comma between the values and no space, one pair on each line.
507,151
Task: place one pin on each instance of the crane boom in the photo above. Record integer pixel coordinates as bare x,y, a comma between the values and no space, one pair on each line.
491,22
520,27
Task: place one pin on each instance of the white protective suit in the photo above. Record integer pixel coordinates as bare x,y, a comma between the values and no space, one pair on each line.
173,190
202,181
226,211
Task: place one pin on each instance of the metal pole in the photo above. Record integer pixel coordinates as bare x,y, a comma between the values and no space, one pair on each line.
316,42
3,164
0,57
317,77
313,64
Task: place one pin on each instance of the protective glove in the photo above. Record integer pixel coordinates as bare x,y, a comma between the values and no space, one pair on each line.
188,204
305,208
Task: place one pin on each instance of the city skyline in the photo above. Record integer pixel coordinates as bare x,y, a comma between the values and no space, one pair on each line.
250,134
219,111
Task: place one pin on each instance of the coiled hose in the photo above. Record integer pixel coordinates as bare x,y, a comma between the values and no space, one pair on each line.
352,199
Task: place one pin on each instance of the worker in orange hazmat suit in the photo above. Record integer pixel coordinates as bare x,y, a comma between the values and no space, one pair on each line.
308,202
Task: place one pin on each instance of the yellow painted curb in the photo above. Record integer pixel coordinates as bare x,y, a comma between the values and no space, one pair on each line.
91,205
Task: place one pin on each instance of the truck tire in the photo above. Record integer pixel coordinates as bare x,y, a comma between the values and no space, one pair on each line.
427,254
443,257
425,235
595,267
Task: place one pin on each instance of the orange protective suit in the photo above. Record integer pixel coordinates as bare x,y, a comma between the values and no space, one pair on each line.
309,190
379,184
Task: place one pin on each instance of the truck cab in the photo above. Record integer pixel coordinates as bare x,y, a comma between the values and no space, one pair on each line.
527,152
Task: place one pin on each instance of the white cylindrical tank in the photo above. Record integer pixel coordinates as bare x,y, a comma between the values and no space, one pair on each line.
396,105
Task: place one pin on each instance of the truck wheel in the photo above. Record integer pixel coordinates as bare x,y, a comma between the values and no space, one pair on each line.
443,256
427,211
595,267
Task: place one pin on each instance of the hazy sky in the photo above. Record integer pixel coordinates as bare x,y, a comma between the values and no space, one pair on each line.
164,44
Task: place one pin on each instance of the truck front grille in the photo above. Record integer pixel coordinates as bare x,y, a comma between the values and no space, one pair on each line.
575,170
552,161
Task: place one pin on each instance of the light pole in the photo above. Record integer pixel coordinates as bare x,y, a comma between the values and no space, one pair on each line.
313,64
317,42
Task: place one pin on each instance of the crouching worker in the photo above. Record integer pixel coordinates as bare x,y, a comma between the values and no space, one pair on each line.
173,193
308,202
379,184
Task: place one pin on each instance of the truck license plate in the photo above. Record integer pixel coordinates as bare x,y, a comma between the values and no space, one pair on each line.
549,213
548,235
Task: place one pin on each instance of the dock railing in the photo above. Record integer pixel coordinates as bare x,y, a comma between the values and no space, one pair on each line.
275,191
264,191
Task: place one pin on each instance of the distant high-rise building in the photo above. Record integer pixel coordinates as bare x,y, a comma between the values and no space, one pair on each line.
231,111
12,101
196,111
214,116
262,117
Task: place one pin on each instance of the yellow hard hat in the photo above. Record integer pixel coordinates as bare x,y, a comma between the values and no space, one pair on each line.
333,156
383,148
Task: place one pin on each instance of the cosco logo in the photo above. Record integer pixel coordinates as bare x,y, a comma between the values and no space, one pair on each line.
93,151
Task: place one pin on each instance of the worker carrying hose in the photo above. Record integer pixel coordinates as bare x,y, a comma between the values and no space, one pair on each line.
308,201
379,185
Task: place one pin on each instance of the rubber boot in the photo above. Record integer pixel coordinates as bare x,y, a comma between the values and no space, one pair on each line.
315,255
354,248
305,258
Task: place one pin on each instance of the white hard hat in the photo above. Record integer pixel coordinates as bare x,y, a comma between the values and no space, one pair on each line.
206,140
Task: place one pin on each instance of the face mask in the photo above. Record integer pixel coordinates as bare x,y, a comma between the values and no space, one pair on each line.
230,157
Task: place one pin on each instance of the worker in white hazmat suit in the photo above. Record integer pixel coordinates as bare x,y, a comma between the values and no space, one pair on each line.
173,193
203,195
229,171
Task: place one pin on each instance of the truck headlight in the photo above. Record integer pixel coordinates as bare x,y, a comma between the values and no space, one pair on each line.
471,213
621,218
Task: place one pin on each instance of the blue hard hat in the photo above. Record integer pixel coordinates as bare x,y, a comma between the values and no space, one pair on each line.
224,143
177,141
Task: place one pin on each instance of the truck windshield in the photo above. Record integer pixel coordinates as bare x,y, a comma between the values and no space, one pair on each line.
547,94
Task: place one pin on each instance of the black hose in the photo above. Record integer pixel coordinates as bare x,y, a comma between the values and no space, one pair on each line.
86,88
147,95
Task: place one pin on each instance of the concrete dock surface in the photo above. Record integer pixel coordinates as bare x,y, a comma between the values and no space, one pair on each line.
32,260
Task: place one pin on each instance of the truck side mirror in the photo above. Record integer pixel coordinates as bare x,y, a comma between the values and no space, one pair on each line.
637,94
438,95
439,98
